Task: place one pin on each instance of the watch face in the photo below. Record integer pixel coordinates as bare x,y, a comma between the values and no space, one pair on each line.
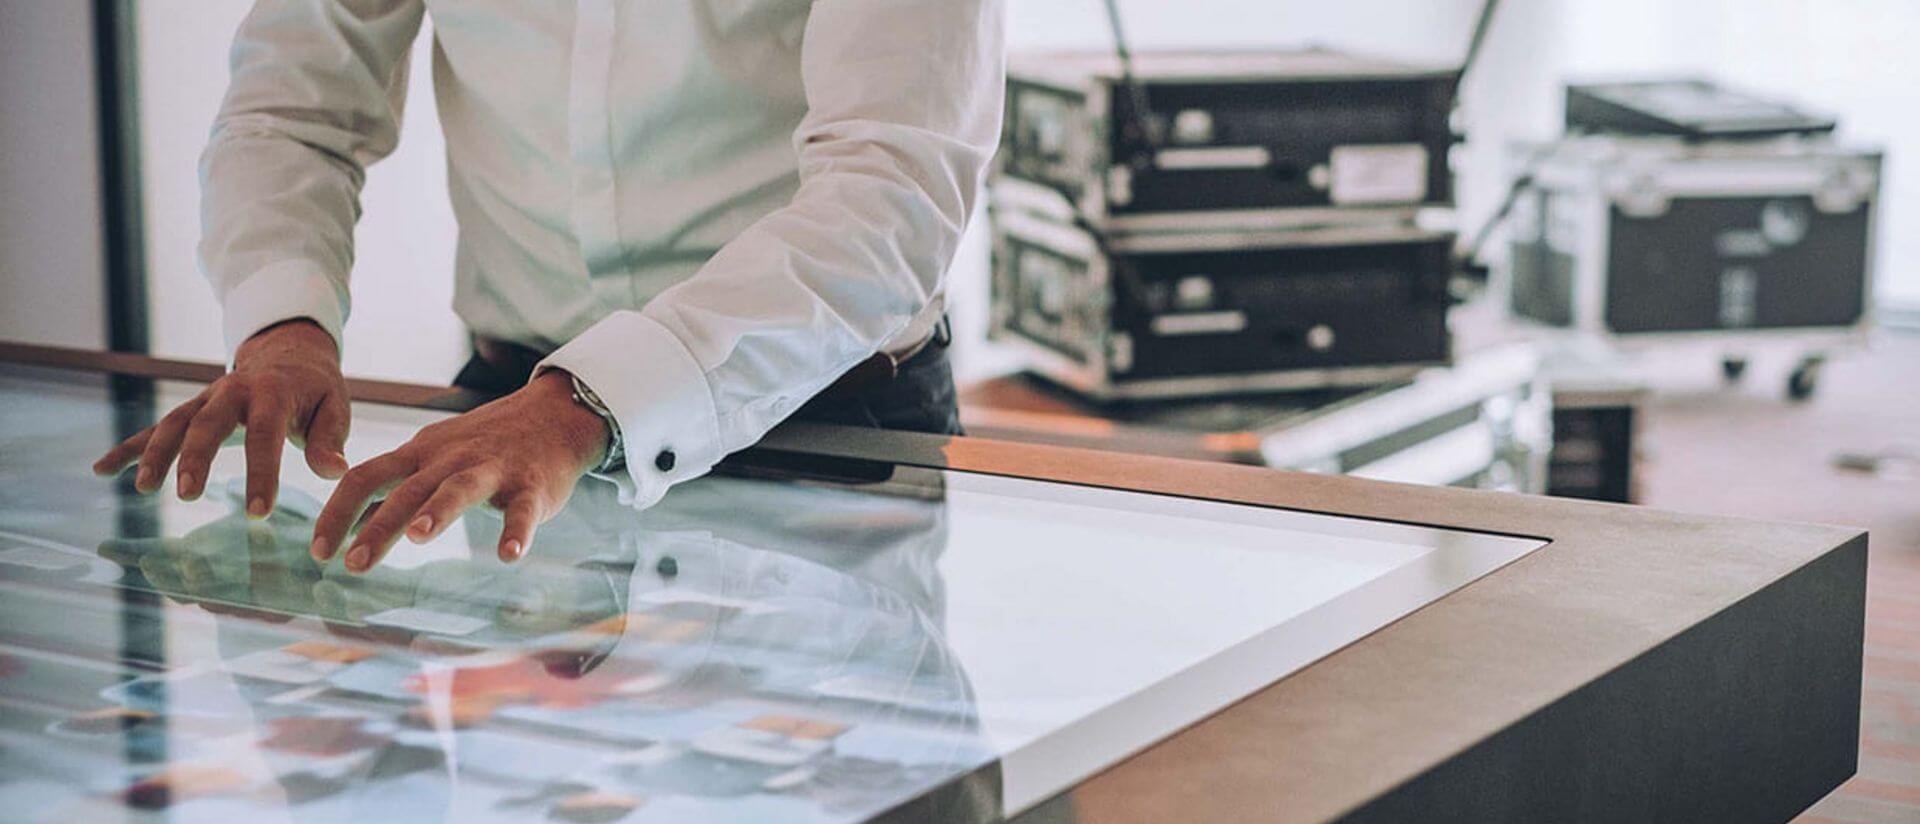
616,445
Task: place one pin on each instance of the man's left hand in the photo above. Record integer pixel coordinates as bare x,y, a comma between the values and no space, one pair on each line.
522,453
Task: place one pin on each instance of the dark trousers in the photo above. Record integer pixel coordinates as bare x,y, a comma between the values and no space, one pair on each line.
919,397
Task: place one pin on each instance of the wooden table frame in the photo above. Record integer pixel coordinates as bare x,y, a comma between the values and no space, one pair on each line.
1644,665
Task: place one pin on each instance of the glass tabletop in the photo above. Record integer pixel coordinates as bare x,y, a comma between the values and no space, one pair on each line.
914,643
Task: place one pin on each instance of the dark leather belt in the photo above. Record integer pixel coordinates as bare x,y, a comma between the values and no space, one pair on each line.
518,361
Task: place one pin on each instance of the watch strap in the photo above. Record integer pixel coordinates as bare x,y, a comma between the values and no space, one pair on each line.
616,458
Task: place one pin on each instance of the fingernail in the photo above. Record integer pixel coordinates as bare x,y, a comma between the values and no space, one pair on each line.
143,481
420,527
257,508
184,486
510,551
357,557
318,549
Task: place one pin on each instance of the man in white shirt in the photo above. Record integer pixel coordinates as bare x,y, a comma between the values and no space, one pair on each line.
684,219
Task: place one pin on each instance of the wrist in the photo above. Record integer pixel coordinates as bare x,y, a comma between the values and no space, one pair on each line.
589,434
295,336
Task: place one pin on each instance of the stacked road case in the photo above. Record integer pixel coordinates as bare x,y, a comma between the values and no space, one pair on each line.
1209,224
1681,211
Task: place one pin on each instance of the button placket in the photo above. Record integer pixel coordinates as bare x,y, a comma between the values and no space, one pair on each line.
594,217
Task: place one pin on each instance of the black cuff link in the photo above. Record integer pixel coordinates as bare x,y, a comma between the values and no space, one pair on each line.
664,461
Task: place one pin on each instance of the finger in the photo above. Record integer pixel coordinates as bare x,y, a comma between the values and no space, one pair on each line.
384,527
266,433
357,487
122,454
460,492
326,435
157,457
523,515
209,429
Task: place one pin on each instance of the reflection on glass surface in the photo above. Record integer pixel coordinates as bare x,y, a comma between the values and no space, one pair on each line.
752,649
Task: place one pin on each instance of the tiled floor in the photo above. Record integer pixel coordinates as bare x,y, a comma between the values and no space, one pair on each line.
1746,452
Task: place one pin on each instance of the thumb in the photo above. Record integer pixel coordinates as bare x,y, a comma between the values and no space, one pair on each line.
327,437
128,551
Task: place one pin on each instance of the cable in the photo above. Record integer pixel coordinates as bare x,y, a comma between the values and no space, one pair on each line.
1145,137
1522,183
1468,261
1131,292
1474,44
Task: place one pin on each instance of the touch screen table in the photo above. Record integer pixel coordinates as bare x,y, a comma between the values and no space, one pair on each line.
840,626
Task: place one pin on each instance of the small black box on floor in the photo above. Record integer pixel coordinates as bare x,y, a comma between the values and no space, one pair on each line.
1647,236
1593,451
1689,108
1261,139
1184,315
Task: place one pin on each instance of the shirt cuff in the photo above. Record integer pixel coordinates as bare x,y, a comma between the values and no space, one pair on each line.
279,292
656,391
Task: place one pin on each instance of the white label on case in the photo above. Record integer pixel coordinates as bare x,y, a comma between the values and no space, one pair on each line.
1200,323
1213,157
1388,173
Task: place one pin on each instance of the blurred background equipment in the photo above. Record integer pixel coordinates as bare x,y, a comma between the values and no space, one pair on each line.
1485,423
1691,108
1680,209
1212,313
1195,224
1246,256
1184,140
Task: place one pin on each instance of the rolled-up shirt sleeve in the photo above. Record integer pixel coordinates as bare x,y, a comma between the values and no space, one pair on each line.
904,103
315,97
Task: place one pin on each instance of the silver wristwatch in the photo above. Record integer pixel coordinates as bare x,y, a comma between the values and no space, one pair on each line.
616,446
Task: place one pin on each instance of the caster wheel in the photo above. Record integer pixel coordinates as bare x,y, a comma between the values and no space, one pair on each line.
1733,369
1801,383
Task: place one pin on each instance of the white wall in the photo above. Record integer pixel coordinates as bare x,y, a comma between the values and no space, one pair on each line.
52,281
402,324
1858,59
1850,56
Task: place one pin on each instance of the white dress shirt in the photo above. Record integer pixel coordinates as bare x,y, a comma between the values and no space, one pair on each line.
708,210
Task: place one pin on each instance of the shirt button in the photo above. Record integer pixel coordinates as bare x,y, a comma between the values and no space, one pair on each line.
664,460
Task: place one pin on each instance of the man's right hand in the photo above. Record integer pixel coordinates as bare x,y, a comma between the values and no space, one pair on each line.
285,383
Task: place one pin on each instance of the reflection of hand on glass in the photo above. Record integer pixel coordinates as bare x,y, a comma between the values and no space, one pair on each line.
233,565
520,601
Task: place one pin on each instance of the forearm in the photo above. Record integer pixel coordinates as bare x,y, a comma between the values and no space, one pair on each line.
904,100
315,97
